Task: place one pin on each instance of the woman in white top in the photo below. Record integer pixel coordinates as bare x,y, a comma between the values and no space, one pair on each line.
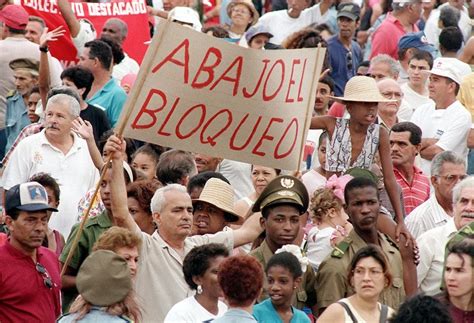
368,276
200,269
330,220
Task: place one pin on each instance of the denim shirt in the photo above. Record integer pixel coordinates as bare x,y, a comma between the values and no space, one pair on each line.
16,118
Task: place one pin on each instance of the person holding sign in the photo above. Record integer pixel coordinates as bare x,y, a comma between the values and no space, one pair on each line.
160,282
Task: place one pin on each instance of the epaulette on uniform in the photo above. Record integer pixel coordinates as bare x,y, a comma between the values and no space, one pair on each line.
341,248
390,241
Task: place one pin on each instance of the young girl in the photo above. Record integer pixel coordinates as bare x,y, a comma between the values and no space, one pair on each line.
284,274
354,142
330,219
145,159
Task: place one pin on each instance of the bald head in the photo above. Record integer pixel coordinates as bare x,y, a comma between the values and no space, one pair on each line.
390,89
116,29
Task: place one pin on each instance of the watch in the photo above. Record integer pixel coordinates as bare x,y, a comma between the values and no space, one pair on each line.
44,49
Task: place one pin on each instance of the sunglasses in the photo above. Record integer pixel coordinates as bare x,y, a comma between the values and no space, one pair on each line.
44,273
349,61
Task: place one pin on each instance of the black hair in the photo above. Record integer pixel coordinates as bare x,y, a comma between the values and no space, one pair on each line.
46,180
197,261
324,135
328,81
117,51
13,213
81,77
413,129
465,246
149,149
15,31
422,55
174,165
34,89
451,39
422,308
286,260
101,50
200,179
364,64
130,147
358,182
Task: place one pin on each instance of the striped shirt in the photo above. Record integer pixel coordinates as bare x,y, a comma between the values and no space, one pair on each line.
416,192
425,217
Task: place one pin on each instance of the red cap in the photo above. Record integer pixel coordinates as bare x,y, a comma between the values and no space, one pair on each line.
14,16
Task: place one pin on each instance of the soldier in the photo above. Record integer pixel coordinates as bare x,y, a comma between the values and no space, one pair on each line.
363,207
281,203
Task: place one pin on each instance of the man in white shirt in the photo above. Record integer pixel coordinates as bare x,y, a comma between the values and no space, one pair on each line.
282,23
432,243
58,151
445,123
447,169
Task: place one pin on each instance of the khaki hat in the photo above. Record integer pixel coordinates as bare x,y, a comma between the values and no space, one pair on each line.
104,278
221,195
283,190
29,65
361,89
249,5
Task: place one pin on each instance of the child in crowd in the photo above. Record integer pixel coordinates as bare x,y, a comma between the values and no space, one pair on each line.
145,159
284,274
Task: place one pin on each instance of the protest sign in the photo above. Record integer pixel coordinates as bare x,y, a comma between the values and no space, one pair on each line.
132,12
202,94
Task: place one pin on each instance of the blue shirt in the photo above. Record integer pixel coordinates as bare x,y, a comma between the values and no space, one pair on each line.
235,315
16,118
111,99
266,313
339,61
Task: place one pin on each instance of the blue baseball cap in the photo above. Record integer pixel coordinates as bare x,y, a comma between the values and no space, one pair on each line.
416,40
29,196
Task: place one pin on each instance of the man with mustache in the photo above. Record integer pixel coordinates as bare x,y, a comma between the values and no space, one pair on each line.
363,207
432,243
405,142
29,273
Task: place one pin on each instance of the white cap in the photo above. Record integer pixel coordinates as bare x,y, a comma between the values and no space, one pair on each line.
185,15
446,67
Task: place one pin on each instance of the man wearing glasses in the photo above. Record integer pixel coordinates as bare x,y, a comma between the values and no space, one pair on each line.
29,273
447,169
345,54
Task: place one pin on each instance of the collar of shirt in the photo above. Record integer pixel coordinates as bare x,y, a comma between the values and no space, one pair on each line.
20,255
106,88
75,146
439,215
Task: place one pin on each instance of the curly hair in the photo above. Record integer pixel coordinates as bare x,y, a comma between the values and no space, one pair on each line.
198,260
322,201
285,260
241,280
307,38
116,238
143,191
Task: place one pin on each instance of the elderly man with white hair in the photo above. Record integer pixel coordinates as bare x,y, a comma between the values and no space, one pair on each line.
58,151
387,112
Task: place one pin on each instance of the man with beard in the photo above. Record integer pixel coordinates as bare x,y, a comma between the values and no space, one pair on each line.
282,203
363,207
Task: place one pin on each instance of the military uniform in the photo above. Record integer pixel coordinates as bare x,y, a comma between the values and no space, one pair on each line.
331,278
305,295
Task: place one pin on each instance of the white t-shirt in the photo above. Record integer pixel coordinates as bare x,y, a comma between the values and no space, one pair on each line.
312,180
413,99
319,245
190,311
127,66
450,126
281,25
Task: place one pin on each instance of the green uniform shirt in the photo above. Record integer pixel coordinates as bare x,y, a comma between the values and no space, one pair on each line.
93,228
331,279
305,295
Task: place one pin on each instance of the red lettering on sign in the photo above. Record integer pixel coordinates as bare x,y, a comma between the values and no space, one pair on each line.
259,82
238,61
292,81
211,139
300,98
165,122
183,119
283,155
265,136
209,69
149,112
270,97
249,136
171,59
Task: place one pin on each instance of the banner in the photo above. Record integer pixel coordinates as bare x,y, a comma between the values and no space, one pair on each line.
202,94
133,12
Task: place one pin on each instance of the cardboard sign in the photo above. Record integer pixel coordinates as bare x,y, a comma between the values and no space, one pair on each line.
202,94
132,12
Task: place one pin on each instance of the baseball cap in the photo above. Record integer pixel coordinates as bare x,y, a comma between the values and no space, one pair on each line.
14,16
349,10
416,40
445,67
30,196
185,15
255,31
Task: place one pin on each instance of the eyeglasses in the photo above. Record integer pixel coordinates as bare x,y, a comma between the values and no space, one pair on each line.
349,60
372,272
389,95
452,178
44,273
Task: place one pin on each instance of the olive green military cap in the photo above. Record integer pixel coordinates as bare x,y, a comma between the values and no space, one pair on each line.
27,64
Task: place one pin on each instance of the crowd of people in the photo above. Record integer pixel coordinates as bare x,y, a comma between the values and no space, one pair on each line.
376,225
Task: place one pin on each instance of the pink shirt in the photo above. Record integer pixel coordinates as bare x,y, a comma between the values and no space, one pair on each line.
415,193
386,37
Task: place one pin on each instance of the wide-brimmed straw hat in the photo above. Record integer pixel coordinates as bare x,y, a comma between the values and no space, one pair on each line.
361,89
249,5
221,195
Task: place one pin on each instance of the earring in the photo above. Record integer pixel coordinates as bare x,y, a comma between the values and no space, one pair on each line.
199,289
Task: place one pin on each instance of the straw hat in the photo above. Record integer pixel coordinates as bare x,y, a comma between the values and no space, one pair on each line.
361,89
221,195
248,4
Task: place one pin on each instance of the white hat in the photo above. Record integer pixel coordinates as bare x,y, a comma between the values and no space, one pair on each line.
185,15
449,68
